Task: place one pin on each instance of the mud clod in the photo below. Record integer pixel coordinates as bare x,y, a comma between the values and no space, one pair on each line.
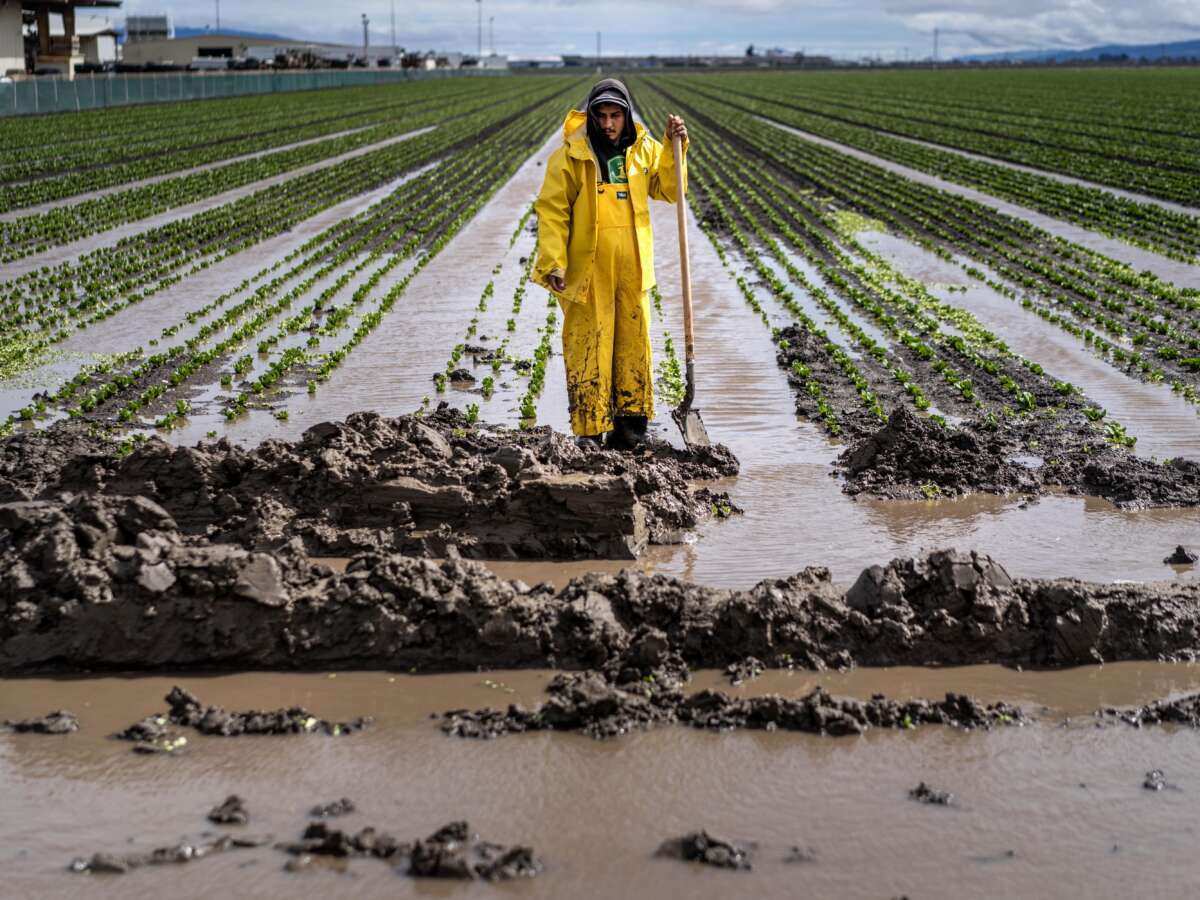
1155,780
58,722
321,840
915,457
82,607
185,709
702,847
923,793
1181,711
231,811
454,851
424,485
746,670
342,807
590,703
1181,557
119,864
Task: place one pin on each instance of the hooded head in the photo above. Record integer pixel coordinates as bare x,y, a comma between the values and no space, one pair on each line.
609,90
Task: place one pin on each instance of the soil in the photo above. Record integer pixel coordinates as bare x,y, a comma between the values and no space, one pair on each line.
120,863
589,703
923,793
342,807
1181,711
746,670
321,840
426,485
57,722
912,456
214,720
231,811
1181,557
454,851
702,847
110,582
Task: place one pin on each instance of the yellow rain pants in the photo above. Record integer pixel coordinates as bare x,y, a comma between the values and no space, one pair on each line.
606,338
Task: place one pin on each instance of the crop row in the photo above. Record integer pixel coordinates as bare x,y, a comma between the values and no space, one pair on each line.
55,171
1168,168
1139,323
1147,225
415,219
753,202
63,224
51,302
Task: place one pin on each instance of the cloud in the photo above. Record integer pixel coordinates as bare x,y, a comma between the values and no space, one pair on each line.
845,28
1053,24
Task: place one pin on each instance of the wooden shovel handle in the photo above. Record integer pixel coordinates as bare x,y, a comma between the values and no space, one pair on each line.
685,274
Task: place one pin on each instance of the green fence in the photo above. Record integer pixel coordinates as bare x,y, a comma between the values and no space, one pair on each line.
45,95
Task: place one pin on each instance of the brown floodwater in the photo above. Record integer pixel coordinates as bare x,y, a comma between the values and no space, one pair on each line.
1040,811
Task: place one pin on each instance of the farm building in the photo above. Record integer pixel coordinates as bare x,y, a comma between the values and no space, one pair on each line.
61,38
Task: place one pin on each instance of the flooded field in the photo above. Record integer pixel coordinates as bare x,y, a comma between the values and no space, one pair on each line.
1043,802
893,363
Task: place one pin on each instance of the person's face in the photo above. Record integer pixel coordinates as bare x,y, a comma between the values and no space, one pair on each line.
611,119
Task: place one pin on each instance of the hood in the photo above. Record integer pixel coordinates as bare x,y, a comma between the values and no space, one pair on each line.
575,124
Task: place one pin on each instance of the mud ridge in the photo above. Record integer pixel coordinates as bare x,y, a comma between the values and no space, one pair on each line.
424,485
103,582
1179,711
914,457
188,712
593,704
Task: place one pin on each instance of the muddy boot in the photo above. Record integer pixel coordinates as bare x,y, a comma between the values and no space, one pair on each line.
590,442
629,433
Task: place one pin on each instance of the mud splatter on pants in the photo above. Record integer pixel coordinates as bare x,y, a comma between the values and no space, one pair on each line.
606,337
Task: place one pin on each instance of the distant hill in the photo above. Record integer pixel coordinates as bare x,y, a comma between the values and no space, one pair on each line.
195,32
1176,50
187,31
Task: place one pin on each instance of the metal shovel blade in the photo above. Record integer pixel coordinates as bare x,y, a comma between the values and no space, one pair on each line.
691,426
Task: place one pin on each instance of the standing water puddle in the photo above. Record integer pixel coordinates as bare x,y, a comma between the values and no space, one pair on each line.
1034,806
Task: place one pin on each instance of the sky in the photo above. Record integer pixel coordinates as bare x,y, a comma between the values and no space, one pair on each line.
853,29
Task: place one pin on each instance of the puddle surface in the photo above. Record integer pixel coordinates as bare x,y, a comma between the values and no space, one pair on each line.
1068,803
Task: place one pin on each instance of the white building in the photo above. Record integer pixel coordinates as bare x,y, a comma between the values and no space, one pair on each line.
57,43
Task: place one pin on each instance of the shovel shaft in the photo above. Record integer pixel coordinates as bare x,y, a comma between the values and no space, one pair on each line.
685,274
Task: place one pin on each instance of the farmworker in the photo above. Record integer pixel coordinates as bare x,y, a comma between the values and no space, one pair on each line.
596,254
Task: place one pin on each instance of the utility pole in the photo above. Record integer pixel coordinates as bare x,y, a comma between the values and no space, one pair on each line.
492,34
935,45
366,38
597,51
479,8
218,16
395,49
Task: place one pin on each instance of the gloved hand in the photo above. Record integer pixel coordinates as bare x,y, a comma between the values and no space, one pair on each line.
558,280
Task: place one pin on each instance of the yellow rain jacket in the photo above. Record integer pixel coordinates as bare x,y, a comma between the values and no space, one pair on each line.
567,206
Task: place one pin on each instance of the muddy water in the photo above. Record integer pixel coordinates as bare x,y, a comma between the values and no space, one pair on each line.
1036,808
58,255
14,214
1143,260
391,371
1166,424
796,514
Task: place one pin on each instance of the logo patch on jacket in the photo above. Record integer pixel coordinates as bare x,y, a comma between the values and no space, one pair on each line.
616,170
622,195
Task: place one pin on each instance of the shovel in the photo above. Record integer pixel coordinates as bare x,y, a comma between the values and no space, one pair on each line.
691,426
